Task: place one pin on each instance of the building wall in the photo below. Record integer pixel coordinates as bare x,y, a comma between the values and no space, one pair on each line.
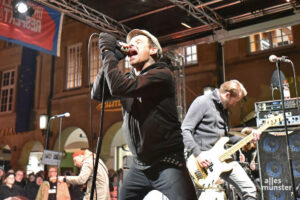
11,58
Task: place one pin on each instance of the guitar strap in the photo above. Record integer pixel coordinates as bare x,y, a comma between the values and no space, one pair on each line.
224,114
226,124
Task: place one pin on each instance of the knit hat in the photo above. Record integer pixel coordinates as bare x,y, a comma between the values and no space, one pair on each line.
153,39
8,174
78,153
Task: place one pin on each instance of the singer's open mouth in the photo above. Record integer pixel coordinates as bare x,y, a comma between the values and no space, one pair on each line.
132,52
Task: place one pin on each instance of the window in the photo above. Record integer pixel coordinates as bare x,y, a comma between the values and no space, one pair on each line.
7,90
190,54
95,60
74,66
271,39
5,45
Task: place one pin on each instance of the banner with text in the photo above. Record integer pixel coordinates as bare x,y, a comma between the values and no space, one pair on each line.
41,31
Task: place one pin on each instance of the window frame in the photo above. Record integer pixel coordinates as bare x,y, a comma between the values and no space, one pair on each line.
192,54
256,40
77,74
10,88
94,51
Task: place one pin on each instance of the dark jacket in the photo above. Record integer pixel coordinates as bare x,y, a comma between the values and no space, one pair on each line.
31,190
6,191
150,121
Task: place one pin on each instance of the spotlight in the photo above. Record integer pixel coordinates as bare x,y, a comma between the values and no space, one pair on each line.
21,9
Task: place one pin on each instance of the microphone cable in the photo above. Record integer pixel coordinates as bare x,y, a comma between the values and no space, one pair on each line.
90,102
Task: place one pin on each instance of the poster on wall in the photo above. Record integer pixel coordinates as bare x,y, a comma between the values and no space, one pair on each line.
40,30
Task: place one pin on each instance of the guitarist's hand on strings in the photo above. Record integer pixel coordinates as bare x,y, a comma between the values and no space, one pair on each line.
252,165
256,135
203,162
255,132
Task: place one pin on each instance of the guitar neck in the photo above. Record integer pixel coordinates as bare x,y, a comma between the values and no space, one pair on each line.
240,144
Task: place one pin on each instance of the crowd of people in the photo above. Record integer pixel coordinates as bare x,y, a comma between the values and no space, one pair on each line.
19,186
38,187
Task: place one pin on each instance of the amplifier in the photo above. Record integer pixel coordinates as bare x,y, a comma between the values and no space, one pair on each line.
265,109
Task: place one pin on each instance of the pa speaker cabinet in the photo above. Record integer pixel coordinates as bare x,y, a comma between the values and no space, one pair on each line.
275,176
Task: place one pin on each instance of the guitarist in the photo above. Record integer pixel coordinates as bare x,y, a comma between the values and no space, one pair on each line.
207,120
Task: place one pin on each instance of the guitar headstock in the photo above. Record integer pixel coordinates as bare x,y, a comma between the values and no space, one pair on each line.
273,120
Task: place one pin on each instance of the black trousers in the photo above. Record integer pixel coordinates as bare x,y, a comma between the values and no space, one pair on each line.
174,182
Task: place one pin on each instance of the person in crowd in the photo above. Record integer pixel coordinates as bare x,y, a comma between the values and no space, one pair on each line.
39,179
76,191
150,120
31,178
41,174
207,120
51,190
115,188
111,173
9,190
20,181
2,172
32,187
84,160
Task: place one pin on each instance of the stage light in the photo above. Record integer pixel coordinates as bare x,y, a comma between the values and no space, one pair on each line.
21,9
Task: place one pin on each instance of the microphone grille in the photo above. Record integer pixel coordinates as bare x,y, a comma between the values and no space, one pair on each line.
67,114
272,58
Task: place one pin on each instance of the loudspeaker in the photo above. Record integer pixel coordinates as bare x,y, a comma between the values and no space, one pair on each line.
275,176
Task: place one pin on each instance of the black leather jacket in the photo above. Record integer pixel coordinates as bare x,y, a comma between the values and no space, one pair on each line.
150,121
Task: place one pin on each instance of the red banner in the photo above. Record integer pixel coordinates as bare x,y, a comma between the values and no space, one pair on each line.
41,31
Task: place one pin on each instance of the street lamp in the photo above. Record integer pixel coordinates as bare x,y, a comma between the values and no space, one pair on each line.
43,122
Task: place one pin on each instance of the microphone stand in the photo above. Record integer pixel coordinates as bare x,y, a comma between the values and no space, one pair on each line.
59,141
286,133
99,142
47,134
59,154
295,80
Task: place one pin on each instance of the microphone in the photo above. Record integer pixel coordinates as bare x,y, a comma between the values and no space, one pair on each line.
67,114
273,58
123,47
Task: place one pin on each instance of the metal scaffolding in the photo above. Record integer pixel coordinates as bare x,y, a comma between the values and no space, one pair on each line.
177,64
87,15
201,12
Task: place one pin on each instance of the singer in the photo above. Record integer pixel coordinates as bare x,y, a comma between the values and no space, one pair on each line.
150,123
